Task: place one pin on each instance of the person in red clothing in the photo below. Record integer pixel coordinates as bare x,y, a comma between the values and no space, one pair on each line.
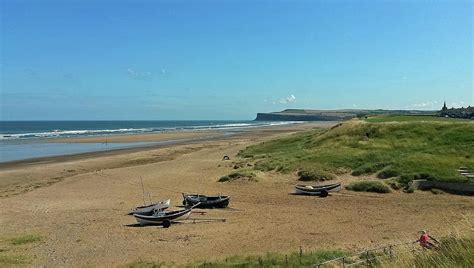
425,240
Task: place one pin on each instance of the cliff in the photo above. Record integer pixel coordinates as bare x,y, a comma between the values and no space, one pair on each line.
327,115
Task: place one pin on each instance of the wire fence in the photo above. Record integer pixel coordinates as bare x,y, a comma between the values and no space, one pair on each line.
367,258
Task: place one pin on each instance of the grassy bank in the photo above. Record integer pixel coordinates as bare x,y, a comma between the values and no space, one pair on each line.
12,249
296,259
402,147
453,252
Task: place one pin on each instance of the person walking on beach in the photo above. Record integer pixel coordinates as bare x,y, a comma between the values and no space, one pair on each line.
425,240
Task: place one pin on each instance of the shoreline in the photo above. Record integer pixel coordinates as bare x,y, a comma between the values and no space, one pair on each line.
167,139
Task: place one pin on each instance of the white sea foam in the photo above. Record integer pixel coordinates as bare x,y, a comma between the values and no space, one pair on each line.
99,132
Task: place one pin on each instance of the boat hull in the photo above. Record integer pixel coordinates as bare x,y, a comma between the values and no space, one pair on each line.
159,219
149,209
206,201
317,190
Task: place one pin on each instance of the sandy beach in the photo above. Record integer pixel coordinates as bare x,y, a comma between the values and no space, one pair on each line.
77,204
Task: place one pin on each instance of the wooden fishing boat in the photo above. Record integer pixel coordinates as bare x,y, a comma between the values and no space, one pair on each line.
163,217
321,190
149,209
204,201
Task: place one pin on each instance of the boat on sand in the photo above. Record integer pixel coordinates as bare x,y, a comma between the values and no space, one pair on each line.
320,190
204,201
148,209
163,217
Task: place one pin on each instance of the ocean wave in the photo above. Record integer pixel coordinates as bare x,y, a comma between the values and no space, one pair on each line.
103,132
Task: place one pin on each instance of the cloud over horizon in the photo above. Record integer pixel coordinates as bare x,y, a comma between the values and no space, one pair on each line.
289,99
138,75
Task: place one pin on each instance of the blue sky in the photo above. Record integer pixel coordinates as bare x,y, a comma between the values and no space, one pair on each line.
230,59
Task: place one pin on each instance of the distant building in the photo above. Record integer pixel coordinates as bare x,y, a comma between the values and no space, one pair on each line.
466,113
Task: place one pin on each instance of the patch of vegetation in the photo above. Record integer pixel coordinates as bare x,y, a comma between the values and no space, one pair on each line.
239,175
295,259
436,191
369,186
369,168
147,264
25,239
387,173
9,260
407,147
395,185
314,175
453,252
411,118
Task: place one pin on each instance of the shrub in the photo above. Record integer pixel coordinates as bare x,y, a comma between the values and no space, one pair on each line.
424,176
369,186
368,168
314,175
25,239
395,185
405,179
387,173
264,166
244,174
436,191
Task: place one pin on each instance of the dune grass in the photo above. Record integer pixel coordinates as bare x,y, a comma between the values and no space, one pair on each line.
369,186
239,175
453,252
25,239
407,149
11,249
11,260
410,118
295,259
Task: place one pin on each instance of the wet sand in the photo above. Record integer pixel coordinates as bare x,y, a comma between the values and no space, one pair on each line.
78,205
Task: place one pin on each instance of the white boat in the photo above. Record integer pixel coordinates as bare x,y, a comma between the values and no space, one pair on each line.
321,190
149,209
163,217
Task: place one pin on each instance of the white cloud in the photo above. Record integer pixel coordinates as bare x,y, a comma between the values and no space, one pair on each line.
426,105
289,99
138,75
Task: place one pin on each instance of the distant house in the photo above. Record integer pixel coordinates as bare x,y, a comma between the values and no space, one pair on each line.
466,113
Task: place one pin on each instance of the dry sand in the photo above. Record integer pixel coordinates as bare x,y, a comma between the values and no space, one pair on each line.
78,205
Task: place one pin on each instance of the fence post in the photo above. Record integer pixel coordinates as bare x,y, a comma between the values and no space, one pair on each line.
343,262
286,260
390,251
367,258
301,253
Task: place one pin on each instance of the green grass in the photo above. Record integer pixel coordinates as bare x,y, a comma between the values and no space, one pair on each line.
404,147
453,252
369,186
268,260
10,247
411,118
314,175
10,260
239,175
147,264
25,239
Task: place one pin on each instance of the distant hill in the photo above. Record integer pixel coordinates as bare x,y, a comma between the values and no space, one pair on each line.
330,115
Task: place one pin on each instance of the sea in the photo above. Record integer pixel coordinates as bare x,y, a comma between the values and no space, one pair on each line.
21,140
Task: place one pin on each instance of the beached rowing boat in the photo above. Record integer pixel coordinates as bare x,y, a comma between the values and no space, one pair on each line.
204,201
321,190
163,217
149,209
